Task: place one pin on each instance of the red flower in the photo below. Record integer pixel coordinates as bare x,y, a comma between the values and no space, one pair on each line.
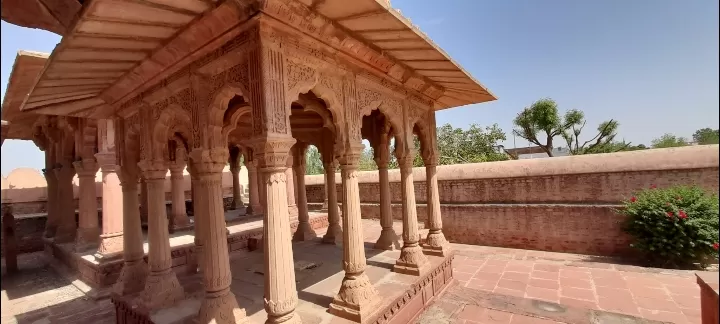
670,214
682,214
715,246
633,199
652,186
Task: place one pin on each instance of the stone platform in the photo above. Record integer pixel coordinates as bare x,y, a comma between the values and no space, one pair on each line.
101,273
318,271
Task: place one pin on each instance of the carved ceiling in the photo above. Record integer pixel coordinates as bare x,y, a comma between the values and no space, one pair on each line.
25,70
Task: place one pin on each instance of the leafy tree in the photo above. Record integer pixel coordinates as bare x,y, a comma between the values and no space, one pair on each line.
476,144
543,119
669,140
707,136
313,161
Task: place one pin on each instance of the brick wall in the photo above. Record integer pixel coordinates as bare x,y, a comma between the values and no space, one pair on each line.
558,204
28,234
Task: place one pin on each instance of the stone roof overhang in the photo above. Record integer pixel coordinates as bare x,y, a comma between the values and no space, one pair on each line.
117,49
54,16
25,71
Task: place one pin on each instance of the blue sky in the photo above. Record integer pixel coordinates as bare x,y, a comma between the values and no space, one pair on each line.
650,64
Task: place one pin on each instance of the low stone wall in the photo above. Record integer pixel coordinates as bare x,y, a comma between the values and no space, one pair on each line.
563,204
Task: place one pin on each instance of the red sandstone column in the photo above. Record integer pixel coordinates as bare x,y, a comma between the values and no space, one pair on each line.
334,231
261,189
179,218
219,304
111,239
435,244
52,203
255,207
357,296
280,290
135,270
412,261
143,201
66,226
235,168
290,176
162,288
195,264
304,230
88,230
388,239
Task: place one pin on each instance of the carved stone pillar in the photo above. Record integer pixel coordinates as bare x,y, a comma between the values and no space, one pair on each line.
334,231
280,290
388,239
290,176
88,231
435,244
357,296
219,305
412,261
194,265
111,238
162,288
304,230
135,270
255,208
178,217
143,201
325,201
52,202
235,168
66,225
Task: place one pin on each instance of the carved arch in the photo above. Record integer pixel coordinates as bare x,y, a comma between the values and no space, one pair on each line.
234,114
172,119
217,111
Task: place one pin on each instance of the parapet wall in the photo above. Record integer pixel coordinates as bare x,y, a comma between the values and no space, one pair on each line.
556,204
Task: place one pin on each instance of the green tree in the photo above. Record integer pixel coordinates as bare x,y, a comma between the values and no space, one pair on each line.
313,160
542,119
669,140
707,136
476,144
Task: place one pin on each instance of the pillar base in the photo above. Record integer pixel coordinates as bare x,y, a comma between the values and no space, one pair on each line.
132,278
65,234
357,299
436,244
222,309
333,235
304,232
412,261
162,289
388,240
86,239
181,223
111,246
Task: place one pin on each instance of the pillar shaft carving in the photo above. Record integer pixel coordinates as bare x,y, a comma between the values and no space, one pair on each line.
357,296
304,230
280,290
388,239
135,270
162,288
66,226
435,244
219,303
178,218
334,232
235,168
111,238
412,260
88,231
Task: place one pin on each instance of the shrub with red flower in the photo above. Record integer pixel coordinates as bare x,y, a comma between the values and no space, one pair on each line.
675,227
715,246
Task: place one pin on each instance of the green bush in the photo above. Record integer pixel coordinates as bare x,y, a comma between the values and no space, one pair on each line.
673,227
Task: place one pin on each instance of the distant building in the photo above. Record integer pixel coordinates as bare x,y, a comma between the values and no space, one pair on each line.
534,152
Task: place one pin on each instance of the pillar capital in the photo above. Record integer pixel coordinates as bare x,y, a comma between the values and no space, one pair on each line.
299,155
177,167
86,168
153,169
406,160
430,158
107,161
272,152
351,156
210,161
64,172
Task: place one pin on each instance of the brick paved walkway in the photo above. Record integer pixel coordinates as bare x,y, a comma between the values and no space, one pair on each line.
577,281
